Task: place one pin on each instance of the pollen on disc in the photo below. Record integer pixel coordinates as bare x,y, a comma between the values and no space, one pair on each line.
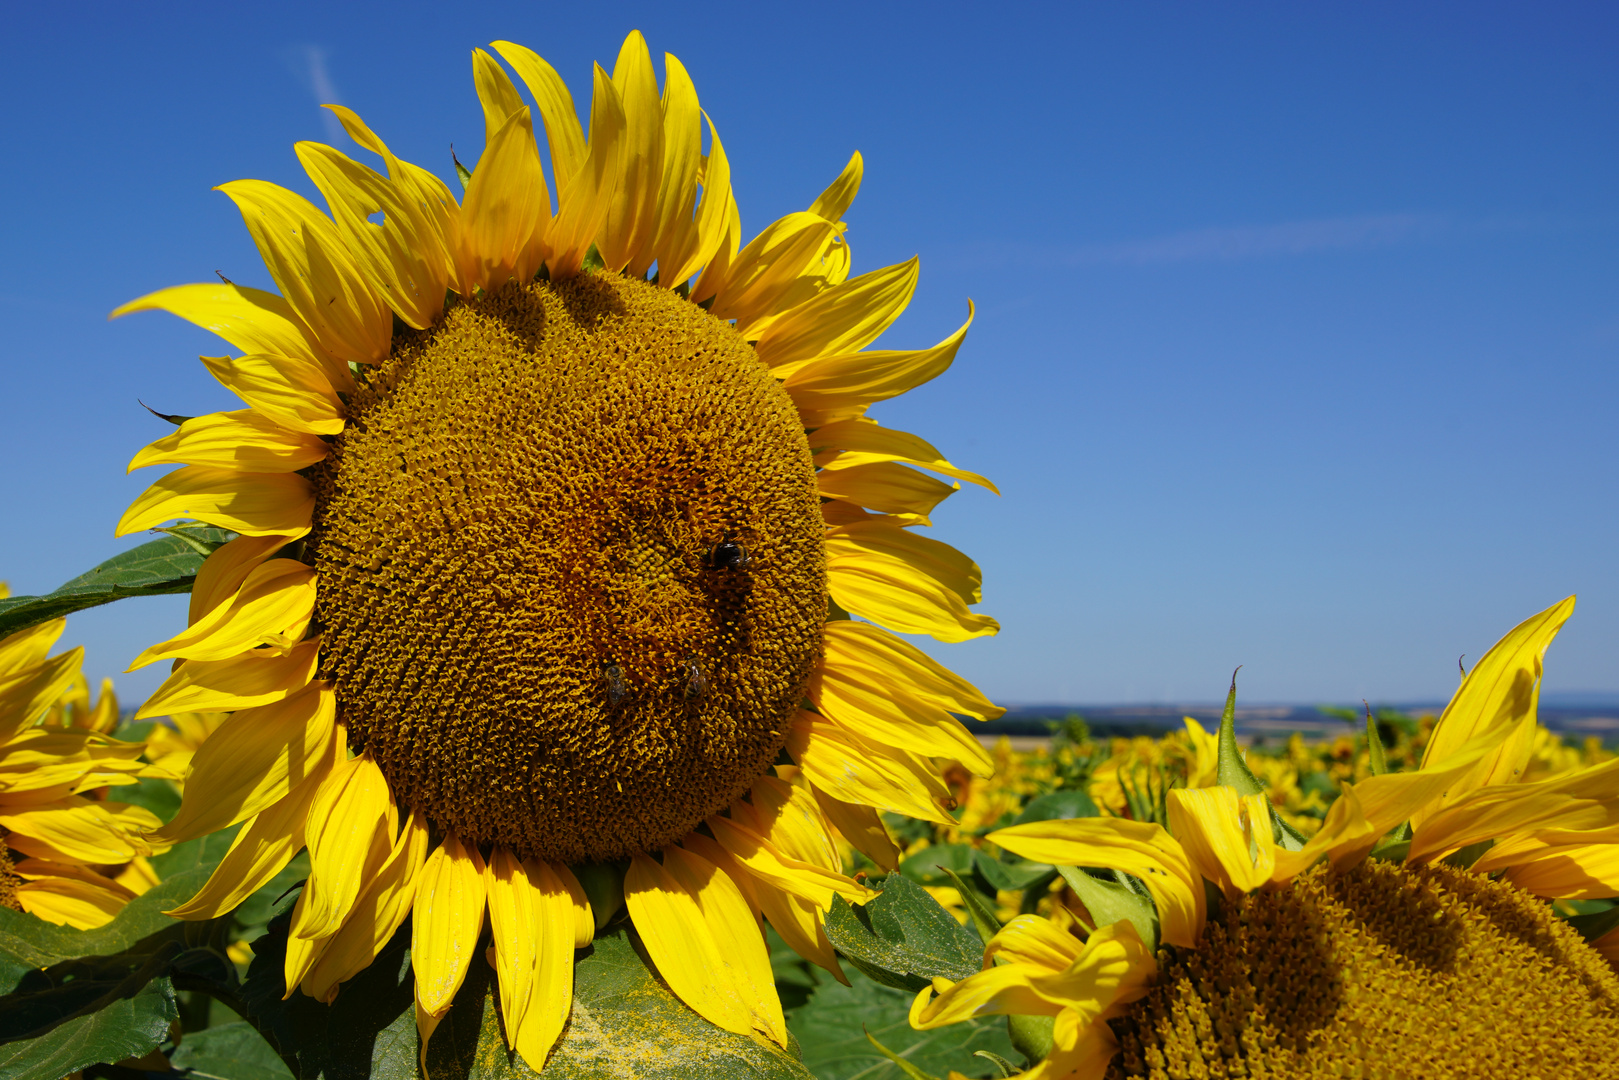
521,607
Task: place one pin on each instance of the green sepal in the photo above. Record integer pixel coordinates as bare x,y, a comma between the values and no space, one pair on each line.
1463,858
1377,757
904,1066
1031,1036
1113,901
593,260
156,568
903,938
462,173
1231,770
1006,1067
1392,848
984,920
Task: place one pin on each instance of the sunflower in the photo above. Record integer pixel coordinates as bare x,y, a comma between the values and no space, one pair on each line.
552,518
65,855
1408,935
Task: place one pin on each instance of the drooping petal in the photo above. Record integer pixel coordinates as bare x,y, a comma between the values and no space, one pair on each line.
255,504
670,921
847,770
514,925
253,760
552,994
351,831
898,581
380,911
242,441
447,919
863,828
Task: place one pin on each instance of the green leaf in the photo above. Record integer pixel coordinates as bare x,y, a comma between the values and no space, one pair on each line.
933,864
229,1052
984,920
1113,901
1374,746
1058,805
1011,876
903,938
158,567
625,1022
831,1028
133,1023
1595,924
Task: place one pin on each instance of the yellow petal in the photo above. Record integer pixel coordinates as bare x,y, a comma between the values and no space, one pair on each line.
275,596
1502,689
584,198
224,571
1114,967
513,923
584,921
260,851
1572,872
1588,799
552,985
828,389
253,320
496,94
760,858
685,240
551,96
507,209
1029,939
446,921
1140,848
253,760
380,911
741,946
303,950
239,683
316,274
1227,838
847,770
27,693
667,916
64,901
749,285
863,828
844,318
401,258
84,830
631,225
860,442
242,441
255,504
350,834
902,589
834,202
295,394
886,487
22,651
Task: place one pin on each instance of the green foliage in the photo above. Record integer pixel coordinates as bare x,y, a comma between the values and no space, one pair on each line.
155,568
233,1051
832,1029
903,938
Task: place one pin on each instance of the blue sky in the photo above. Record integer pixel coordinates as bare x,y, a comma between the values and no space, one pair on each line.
1297,324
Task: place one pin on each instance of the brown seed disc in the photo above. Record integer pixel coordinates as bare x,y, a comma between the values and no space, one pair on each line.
1381,971
523,612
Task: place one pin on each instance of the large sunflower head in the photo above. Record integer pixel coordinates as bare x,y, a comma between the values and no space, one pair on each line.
1408,937
554,504
67,853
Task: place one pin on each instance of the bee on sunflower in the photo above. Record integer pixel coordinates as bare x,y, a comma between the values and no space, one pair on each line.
1410,936
553,505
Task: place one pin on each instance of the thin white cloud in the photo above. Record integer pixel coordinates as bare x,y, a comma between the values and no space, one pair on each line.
308,63
1239,242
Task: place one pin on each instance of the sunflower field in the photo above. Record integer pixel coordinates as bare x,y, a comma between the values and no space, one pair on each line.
547,703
